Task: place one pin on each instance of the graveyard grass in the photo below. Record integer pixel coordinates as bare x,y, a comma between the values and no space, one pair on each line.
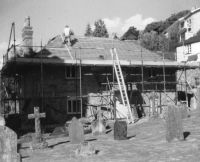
146,143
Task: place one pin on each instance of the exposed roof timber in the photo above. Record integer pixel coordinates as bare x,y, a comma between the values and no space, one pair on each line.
104,62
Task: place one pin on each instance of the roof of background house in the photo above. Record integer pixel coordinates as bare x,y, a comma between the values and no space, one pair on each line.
191,40
193,11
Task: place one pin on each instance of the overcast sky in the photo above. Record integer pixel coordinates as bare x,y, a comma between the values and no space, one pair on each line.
48,17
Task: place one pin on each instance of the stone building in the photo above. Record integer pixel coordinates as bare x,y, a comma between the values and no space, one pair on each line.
74,81
189,46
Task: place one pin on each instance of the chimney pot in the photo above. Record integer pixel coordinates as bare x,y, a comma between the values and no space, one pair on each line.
27,36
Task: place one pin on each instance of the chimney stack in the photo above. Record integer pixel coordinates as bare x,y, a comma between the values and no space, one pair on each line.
27,37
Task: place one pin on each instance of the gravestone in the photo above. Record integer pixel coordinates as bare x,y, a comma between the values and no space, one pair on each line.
8,145
98,126
184,110
198,99
2,121
37,142
120,130
174,126
153,104
76,133
85,149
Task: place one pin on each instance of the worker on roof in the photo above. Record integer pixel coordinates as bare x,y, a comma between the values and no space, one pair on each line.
67,35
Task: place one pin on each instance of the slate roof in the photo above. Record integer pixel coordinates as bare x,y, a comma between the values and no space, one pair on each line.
99,49
96,52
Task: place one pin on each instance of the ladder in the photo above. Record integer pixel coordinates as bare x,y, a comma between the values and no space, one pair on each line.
121,84
67,48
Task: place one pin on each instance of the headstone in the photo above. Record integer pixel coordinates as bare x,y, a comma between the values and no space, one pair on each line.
38,142
198,98
2,121
8,145
193,103
76,134
184,110
85,149
174,126
153,104
98,126
120,130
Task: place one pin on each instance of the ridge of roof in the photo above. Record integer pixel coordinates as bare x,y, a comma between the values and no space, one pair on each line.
192,12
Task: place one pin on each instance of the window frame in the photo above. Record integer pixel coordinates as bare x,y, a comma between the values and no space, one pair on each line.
189,25
74,106
189,49
70,72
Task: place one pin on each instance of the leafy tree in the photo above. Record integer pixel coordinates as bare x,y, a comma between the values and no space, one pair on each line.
156,30
88,31
153,41
100,29
173,36
131,34
161,26
155,26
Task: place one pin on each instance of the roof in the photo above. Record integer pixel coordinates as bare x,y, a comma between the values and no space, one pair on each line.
98,49
194,39
192,13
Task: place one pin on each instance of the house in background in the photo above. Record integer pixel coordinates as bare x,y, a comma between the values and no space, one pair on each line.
189,45
73,81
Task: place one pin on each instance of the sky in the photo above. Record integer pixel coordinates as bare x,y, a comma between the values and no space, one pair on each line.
48,17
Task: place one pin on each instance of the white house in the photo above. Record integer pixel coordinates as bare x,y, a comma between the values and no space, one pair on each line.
189,46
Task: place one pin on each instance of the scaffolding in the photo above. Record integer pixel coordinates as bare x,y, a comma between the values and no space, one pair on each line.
78,64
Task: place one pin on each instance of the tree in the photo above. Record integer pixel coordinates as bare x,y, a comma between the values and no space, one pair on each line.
100,29
154,42
154,26
160,26
131,34
88,31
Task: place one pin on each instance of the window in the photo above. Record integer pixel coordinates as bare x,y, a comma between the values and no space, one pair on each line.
189,24
70,71
73,106
182,24
189,49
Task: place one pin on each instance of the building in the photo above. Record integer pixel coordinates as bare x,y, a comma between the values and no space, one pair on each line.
74,81
189,46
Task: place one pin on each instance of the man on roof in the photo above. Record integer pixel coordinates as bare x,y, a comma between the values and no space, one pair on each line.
67,35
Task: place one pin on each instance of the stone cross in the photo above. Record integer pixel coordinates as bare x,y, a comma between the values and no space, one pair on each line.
8,145
76,132
37,115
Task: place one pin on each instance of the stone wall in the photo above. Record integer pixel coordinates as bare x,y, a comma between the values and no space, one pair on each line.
191,74
58,88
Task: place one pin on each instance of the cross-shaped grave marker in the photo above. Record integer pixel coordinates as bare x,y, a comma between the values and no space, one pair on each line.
37,115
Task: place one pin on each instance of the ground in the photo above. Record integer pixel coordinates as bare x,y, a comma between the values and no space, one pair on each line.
146,143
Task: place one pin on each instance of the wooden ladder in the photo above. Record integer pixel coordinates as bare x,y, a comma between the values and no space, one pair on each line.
121,84
68,50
